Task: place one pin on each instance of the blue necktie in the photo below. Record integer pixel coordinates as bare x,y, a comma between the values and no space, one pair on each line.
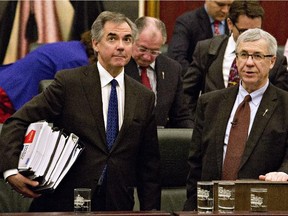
112,117
112,124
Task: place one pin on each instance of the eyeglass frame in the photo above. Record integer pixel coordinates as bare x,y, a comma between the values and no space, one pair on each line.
255,56
143,50
239,30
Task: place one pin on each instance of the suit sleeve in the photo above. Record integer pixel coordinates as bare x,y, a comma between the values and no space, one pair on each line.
279,75
194,78
14,129
195,161
179,116
178,48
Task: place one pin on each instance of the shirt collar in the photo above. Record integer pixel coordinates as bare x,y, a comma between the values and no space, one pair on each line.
212,21
255,95
231,45
105,77
151,66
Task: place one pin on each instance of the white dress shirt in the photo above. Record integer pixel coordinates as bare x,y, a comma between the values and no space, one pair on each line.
105,79
151,73
229,57
256,98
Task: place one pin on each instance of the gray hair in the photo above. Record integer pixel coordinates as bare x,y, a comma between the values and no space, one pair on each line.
257,34
145,21
108,16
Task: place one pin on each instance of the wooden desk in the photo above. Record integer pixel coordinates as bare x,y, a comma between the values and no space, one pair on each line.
277,194
130,213
236,213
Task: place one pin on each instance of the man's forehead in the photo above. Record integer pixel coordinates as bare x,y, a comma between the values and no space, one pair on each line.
258,45
117,27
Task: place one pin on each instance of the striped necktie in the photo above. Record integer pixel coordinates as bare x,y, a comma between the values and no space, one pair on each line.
216,28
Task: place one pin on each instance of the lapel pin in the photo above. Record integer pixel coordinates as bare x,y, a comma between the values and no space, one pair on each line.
163,75
265,112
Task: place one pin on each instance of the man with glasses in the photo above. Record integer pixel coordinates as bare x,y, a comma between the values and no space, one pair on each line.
213,66
196,25
214,151
159,73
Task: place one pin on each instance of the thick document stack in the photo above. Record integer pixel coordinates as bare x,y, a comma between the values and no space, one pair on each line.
47,155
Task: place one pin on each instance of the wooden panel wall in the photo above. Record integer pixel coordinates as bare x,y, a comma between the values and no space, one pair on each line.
275,21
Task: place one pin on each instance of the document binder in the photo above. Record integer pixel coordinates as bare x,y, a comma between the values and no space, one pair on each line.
47,155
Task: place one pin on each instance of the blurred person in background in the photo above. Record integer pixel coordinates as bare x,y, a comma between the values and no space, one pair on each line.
196,25
19,81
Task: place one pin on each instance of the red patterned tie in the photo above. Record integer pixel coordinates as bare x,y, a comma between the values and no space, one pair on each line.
216,27
237,140
145,78
233,76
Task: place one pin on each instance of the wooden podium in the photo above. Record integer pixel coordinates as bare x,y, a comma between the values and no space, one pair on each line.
277,194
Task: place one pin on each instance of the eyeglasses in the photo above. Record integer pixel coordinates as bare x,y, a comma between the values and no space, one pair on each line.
254,56
240,30
142,49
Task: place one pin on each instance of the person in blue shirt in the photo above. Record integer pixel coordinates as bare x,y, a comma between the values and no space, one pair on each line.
19,81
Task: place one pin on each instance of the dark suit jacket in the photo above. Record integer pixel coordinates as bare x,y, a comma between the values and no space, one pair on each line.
73,102
190,27
207,68
266,148
170,109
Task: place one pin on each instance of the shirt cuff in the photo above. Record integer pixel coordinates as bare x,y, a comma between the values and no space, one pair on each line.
10,172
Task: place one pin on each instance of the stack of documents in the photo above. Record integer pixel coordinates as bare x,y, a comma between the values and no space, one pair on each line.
47,155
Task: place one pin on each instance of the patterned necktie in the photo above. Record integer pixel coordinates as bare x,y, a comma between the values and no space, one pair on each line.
144,78
112,117
233,75
112,125
237,140
216,27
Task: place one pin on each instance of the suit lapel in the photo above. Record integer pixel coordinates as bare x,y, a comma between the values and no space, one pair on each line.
215,72
92,88
160,70
268,102
204,23
132,70
226,105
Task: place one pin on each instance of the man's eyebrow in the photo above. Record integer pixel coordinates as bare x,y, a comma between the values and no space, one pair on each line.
128,35
112,34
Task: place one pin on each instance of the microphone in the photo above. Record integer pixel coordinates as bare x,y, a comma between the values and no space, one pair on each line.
234,123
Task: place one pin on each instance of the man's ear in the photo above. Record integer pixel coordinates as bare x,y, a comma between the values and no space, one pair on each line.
273,60
95,45
230,24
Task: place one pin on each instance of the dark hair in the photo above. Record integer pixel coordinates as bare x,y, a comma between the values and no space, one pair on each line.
115,17
251,9
87,41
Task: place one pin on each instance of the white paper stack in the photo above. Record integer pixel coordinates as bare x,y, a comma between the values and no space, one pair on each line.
47,155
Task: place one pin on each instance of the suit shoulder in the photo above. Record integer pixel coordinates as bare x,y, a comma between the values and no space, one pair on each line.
219,93
214,41
137,86
77,70
164,59
193,15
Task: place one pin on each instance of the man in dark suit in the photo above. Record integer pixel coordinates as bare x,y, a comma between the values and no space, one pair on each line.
197,25
265,151
213,57
164,74
77,100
